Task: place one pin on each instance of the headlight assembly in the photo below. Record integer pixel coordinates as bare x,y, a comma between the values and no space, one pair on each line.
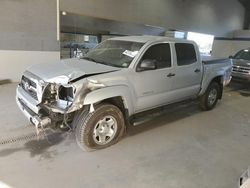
55,92
66,93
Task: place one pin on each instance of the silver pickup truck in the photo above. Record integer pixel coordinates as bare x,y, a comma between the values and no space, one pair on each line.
241,65
99,94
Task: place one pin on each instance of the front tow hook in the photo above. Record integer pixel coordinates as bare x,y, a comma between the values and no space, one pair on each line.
40,123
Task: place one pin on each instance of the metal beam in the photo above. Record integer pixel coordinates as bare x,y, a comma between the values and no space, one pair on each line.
246,4
247,19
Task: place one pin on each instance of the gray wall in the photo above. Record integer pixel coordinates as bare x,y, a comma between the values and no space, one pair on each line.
84,24
28,25
31,24
217,17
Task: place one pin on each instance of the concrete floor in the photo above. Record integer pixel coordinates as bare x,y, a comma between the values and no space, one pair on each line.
184,147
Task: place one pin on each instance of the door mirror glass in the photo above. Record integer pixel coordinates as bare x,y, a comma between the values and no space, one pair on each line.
147,64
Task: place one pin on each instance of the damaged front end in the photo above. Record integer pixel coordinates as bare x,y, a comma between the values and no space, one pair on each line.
54,103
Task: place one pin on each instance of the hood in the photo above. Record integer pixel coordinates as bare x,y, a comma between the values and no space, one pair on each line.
67,70
241,62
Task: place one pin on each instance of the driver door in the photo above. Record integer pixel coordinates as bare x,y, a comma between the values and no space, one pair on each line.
153,87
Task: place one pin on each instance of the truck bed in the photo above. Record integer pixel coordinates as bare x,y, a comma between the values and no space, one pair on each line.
212,68
212,60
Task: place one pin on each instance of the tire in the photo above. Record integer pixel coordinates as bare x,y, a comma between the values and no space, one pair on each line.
211,96
80,114
99,129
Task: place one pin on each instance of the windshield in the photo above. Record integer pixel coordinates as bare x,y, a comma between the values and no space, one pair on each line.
114,53
243,54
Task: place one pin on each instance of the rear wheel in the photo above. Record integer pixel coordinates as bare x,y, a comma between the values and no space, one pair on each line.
210,98
99,129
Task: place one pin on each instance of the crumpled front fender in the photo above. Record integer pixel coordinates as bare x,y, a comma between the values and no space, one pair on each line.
111,92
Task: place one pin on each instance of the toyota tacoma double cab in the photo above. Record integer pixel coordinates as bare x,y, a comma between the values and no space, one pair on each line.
98,95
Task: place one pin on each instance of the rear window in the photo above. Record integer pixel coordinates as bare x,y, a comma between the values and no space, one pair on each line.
185,53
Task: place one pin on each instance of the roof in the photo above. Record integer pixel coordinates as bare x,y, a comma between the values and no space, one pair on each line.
147,38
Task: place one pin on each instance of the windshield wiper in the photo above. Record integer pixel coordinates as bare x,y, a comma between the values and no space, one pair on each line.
91,59
101,62
108,64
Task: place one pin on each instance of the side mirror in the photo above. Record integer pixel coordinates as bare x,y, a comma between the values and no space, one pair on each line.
147,64
230,57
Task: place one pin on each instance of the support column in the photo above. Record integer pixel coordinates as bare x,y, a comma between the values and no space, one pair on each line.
247,18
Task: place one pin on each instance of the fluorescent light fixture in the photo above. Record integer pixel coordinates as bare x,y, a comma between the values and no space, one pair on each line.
246,50
64,13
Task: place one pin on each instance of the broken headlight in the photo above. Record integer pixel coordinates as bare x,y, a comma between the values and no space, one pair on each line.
66,93
50,93
55,92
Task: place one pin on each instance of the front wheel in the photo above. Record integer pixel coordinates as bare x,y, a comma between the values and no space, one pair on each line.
99,129
211,96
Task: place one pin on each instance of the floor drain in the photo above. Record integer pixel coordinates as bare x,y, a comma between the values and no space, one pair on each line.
18,139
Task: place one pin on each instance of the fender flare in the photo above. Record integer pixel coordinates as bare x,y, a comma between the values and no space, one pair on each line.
111,92
205,85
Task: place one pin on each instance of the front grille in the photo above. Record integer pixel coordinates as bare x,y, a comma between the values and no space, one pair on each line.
32,83
239,69
26,107
29,86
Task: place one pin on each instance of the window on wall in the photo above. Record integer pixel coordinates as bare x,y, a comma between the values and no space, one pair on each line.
204,42
76,45
185,53
161,53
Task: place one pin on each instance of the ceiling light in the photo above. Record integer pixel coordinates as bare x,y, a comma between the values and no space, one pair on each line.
64,13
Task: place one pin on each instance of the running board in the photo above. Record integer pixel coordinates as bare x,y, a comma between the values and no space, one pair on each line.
137,122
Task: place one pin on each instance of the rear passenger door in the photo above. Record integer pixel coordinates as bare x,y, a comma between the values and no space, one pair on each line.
188,70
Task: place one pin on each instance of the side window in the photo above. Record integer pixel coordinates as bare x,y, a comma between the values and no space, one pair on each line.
185,53
161,53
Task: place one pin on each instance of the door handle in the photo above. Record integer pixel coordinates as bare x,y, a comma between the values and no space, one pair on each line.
170,75
197,70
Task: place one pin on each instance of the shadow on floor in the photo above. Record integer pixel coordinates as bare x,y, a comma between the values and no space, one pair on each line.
41,147
164,115
154,118
38,147
243,88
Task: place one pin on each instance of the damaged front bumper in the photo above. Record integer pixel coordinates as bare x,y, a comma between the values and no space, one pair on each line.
48,104
31,109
